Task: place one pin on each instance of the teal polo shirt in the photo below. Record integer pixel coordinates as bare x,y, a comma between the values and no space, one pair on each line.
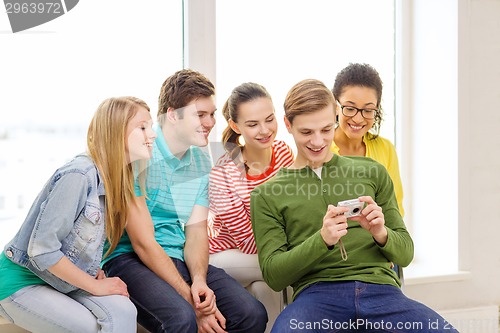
173,187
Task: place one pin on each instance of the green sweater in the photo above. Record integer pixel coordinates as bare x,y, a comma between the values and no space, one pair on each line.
287,214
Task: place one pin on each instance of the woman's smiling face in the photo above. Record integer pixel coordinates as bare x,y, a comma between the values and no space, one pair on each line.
357,126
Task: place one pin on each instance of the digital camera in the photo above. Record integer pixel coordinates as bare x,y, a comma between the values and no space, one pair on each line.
355,207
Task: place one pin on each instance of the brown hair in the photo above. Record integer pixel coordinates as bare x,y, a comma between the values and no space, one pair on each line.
182,88
243,93
307,96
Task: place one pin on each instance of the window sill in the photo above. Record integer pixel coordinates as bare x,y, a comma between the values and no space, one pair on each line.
417,274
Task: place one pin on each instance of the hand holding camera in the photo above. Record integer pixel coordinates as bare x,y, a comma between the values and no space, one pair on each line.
370,217
334,225
355,207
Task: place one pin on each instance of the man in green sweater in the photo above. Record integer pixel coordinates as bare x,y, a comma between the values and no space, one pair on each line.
340,268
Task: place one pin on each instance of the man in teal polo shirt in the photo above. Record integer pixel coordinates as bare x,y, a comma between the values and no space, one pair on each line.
163,256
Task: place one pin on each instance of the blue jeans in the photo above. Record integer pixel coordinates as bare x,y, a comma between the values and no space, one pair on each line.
357,307
161,308
41,308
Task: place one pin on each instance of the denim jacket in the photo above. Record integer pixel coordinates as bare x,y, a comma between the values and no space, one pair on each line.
66,219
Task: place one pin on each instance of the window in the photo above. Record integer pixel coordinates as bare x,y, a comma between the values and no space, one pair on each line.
412,45
55,75
427,130
279,43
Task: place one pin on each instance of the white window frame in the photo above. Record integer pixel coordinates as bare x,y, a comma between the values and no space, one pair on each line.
201,55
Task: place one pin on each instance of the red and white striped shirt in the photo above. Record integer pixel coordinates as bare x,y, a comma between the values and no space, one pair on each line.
229,221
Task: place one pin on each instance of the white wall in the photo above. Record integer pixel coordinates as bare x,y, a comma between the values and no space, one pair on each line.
478,165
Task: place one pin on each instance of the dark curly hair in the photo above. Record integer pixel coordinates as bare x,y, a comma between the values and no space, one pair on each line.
362,75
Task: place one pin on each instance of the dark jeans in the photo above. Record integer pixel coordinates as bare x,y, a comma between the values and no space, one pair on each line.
357,307
161,309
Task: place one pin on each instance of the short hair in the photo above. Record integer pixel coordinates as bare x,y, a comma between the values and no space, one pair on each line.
182,88
305,97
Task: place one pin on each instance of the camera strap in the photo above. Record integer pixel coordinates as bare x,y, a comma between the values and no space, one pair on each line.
343,252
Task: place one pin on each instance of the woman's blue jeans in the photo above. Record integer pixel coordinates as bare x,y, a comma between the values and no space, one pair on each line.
357,307
161,309
41,308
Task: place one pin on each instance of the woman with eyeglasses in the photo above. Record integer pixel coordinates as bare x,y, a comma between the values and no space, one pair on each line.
358,93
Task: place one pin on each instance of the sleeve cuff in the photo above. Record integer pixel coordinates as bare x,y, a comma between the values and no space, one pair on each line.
47,260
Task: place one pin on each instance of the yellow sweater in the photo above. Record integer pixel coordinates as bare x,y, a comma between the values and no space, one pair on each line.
383,151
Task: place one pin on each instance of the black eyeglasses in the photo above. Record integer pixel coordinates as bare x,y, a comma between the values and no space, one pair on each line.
351,111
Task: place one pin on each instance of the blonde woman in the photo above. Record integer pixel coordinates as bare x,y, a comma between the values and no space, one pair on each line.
51,281
163,256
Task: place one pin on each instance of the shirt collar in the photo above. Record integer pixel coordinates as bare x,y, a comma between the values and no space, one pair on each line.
100,186
165,150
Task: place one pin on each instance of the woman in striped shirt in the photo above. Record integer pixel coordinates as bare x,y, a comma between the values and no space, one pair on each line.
249,112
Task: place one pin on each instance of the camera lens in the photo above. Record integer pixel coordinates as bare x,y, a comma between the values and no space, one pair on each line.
355,210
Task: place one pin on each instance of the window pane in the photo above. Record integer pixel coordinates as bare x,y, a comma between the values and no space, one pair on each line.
278,43
432,169
55,75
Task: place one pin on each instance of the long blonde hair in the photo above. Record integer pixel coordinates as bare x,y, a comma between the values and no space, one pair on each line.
106,146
